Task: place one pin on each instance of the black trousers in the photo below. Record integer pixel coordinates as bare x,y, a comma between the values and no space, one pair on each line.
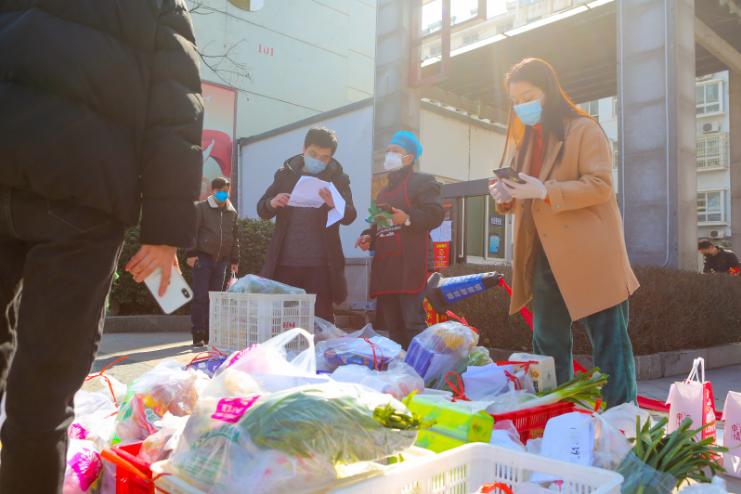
208,276
314,279
402,315
57,261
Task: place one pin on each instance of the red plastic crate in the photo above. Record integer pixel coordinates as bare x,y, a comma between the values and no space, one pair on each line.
530,422
133,475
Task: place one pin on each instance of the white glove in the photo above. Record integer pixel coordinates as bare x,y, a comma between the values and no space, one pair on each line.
499,192
531,189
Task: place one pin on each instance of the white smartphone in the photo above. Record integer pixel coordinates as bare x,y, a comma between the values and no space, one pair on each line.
177,295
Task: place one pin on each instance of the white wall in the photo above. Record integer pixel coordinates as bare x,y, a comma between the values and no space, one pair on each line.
291,59
259,161
456,150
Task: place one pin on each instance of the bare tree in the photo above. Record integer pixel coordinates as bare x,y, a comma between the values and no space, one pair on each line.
222,62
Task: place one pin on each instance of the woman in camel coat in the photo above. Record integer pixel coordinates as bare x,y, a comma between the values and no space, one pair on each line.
570,259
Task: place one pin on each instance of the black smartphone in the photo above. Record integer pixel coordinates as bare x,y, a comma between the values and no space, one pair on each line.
509,173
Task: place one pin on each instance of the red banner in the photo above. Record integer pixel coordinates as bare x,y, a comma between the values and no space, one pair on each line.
442,254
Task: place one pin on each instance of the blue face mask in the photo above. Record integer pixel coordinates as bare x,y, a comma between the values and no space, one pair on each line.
313,166
221,196
529,113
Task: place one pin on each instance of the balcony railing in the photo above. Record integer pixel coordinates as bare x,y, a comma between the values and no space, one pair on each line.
713,151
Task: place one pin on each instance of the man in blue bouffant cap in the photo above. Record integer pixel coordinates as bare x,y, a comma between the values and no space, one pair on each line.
403,250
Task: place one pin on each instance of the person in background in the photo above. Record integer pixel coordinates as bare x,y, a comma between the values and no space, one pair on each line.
100,130
570,258
718,259
217,247
403,250
304,252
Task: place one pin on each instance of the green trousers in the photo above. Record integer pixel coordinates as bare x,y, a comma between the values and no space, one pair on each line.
607,330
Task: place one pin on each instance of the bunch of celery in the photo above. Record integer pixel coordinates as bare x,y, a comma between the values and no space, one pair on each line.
585,389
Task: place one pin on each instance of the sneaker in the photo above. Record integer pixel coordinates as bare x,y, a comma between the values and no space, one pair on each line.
199,344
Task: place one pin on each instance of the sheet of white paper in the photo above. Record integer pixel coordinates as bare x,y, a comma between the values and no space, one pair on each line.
338,212
306,193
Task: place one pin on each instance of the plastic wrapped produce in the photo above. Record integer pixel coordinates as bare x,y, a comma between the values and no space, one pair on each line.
322,346
276,442
479,357
166,388
95,418
375,352
399,380
252,283
440,349
325,330
159,445
485,382
266,367
84,468
208,362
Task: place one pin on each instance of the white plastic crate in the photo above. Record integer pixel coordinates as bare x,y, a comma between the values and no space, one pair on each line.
465,469
238,320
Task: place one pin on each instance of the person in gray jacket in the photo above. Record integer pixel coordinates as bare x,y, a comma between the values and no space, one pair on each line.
217,246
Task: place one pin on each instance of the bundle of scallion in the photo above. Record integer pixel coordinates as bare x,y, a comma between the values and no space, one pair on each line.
657,456
585,389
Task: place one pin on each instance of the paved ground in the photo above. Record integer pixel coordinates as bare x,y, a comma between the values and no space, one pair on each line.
146,350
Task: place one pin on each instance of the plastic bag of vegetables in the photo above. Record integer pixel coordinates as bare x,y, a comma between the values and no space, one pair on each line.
440,349
252,283
266,367
166,388
274,443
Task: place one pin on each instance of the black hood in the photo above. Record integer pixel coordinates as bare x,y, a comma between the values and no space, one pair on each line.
296,165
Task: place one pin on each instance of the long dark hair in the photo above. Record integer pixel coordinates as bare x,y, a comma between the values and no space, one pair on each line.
557,105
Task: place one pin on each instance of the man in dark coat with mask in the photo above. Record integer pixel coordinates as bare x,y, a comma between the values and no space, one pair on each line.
304,252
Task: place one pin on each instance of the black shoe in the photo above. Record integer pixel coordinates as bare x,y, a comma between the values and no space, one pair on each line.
198,340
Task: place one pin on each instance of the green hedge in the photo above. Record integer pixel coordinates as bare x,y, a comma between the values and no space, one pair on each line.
129,297
673,310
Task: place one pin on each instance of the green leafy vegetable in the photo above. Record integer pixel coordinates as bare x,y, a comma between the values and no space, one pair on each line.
678,454
341,426
380,217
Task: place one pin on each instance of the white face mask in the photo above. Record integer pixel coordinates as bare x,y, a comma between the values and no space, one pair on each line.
393,161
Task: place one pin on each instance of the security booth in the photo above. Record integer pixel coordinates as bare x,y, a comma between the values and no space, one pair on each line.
478,234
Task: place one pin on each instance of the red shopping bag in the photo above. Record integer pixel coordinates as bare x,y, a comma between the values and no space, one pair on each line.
693,398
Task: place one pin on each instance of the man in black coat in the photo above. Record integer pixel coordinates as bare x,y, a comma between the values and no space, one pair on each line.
718,259
402,249
100,126
304,252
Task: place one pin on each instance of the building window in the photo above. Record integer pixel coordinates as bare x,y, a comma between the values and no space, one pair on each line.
708,96
711,208
592,108
712,151
475,223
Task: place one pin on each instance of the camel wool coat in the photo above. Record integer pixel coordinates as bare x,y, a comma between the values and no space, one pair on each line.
579,225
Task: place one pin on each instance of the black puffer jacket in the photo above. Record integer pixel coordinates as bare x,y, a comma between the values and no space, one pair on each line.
100,104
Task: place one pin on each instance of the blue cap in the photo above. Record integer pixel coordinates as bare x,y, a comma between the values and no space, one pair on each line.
409,142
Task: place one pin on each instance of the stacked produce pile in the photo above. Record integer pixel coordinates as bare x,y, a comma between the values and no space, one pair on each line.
264,420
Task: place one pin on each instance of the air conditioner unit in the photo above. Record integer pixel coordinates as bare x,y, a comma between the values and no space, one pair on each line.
714,234
710,127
